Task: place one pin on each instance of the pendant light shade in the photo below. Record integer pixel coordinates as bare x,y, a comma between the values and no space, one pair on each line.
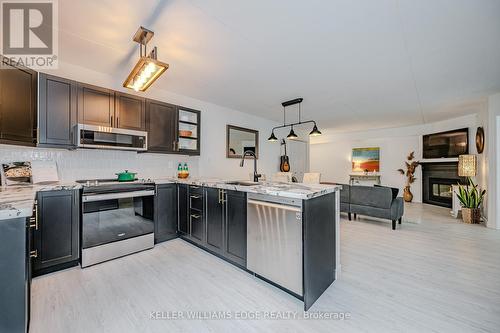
272,138
291,135
315,131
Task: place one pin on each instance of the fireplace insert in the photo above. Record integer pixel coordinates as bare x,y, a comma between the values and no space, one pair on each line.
437,182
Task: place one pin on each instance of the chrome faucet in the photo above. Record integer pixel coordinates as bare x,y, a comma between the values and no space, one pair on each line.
255,174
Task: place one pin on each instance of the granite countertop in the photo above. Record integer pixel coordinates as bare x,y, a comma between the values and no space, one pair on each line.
18,201
289,190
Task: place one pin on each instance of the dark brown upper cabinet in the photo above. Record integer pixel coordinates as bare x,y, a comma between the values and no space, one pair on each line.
161,120
18,105
130,112
57,111
96,106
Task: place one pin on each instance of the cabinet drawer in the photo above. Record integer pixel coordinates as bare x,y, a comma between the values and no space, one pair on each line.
195,215
196,201
194,189
197,226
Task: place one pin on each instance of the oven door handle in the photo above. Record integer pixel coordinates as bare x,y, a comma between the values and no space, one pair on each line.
119,195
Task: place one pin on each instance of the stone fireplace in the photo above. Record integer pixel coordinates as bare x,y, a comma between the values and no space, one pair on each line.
437,181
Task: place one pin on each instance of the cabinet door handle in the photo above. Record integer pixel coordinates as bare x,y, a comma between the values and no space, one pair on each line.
111,121
34,220
222,199
33,223
117,122
195,216
33,254
195,196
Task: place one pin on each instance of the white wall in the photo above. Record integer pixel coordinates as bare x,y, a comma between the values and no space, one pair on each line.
211,163
96,163
492,160
330,153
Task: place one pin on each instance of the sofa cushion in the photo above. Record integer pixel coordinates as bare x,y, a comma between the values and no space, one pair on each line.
380,197
382,213
394,190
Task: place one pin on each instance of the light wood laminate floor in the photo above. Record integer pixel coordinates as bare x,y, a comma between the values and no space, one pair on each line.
434,274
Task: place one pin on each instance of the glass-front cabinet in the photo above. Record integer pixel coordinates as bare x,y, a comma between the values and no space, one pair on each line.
188,131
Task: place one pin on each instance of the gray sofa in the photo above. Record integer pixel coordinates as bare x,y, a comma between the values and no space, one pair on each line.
377,201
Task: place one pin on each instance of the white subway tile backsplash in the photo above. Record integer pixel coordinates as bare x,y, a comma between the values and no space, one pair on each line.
90,163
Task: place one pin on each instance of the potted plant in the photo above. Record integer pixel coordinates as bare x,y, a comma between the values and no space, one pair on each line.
471,198
411,165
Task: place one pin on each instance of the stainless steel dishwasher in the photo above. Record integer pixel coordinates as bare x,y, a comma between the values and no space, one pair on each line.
274,239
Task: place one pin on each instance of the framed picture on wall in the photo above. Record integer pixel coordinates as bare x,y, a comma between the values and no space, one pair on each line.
366,159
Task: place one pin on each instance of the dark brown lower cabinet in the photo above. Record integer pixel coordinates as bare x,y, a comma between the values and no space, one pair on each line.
183,209
197,227
165,215
15,276
214,213
56,235
235,227
222,225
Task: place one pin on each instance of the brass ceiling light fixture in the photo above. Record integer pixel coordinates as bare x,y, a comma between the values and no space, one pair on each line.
148,68
315,131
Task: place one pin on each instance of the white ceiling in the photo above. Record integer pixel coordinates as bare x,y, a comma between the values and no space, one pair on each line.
357,64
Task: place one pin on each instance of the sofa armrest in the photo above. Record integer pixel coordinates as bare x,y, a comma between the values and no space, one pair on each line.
397,208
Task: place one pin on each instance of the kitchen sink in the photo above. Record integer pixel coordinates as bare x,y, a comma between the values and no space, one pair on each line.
241,183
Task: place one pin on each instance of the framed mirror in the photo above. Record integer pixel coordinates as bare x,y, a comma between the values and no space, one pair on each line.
239,140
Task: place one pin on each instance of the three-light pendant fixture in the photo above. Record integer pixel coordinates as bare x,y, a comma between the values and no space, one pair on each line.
148,68
315,131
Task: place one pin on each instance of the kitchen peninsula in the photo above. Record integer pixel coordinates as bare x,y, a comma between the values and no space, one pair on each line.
221,217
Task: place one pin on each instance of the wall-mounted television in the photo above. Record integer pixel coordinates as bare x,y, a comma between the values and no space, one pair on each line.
446,144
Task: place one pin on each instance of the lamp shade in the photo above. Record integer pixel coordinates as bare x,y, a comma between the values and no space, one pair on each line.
467,165
292,134
273,137
315,131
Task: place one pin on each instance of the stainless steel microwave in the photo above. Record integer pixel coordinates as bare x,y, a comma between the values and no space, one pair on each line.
92,136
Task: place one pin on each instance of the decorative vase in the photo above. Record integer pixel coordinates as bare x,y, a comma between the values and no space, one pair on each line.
407,195
471,215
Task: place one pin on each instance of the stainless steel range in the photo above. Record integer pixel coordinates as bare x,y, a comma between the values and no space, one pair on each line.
117,219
